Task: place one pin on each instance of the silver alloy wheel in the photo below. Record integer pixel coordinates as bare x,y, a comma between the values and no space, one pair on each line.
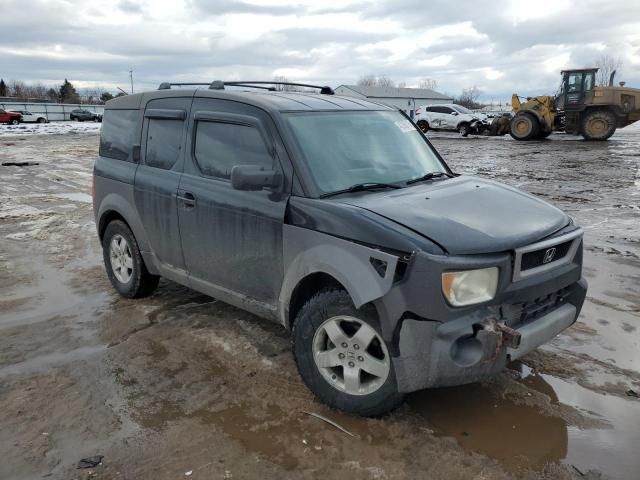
351,355
121,258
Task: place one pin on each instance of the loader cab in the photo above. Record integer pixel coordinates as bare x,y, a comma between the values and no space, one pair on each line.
576,84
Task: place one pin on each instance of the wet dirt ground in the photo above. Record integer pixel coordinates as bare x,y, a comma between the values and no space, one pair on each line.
180,385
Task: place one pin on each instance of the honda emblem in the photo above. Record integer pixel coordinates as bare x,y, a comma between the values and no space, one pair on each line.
549,255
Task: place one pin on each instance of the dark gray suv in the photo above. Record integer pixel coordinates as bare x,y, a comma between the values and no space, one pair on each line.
80,115
337,218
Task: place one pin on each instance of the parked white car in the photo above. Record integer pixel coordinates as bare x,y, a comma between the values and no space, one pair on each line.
27,116
449,117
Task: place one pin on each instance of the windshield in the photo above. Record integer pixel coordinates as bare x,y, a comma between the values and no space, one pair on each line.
347,148
461,109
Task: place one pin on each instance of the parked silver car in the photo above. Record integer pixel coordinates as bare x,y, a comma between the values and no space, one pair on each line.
450,117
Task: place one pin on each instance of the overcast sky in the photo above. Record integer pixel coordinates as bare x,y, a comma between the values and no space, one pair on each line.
500,46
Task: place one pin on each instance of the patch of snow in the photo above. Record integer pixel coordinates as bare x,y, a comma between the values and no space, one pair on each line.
53,128
75,197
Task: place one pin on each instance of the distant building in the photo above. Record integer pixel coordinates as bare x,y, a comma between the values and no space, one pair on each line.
407,99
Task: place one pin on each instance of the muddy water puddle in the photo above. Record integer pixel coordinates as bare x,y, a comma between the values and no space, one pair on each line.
520,434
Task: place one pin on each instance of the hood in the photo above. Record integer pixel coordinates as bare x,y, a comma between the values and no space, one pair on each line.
467,215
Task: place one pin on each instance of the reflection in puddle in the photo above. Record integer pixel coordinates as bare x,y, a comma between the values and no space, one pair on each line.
614,450
516,435
521,435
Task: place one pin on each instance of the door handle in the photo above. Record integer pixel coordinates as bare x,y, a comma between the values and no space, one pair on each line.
187,199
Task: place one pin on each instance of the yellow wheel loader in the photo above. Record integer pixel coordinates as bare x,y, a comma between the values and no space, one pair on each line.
579,108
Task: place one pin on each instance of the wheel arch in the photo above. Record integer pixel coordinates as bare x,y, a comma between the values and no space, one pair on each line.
106,218
116,206
314,260
306,288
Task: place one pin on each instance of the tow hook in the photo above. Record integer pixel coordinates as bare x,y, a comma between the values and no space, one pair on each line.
493,336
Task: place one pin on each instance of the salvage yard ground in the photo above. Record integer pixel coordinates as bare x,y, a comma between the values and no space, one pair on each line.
181,384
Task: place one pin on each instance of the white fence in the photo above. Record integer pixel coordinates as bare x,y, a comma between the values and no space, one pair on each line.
52,111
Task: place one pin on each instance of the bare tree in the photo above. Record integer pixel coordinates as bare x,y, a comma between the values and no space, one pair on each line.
375,81
607,65
469,97
402,84
428,83
367,81
384,81
284,88
17,89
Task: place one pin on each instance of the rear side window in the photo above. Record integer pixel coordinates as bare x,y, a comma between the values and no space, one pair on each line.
221,146
164,140
118,131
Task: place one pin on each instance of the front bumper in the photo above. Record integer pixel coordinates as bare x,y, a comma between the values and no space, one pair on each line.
434,344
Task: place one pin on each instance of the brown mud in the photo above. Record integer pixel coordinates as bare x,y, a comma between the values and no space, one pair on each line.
180,382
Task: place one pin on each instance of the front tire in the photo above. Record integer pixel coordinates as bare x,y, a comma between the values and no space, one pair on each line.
423,125
524,126
598,125
464,129
42,120
14,121
342,357
124,264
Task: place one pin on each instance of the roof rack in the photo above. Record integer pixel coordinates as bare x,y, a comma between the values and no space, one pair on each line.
219,85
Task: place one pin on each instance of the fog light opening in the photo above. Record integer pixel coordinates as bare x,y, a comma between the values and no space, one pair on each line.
466,351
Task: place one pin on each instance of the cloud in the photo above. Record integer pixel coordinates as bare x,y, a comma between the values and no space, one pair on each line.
499,46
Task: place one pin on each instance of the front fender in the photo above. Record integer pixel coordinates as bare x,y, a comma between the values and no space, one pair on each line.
308,251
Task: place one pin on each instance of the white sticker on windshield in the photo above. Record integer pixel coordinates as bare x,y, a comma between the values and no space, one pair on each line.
405,125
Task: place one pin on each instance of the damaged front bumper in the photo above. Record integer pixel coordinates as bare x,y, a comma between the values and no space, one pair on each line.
434,344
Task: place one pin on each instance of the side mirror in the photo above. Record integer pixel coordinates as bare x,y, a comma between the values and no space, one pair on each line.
253,177
454,113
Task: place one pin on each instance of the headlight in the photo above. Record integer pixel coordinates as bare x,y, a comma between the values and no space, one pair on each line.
470,286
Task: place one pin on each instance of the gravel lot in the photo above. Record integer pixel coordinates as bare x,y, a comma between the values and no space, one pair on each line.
180,382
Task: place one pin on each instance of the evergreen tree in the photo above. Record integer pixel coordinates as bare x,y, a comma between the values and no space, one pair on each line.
3,88
52,93
68,93
105,97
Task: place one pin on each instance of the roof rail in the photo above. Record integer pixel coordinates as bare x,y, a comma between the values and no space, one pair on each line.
219,85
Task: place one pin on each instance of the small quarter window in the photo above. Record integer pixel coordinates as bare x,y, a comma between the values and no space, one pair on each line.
117,136
164,140
221,146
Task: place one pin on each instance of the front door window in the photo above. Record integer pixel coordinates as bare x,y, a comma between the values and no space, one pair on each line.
574,84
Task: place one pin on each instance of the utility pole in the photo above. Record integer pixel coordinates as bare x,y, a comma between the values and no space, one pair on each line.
131,76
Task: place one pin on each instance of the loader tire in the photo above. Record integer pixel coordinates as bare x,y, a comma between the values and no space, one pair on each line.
524,126
598,124
544,134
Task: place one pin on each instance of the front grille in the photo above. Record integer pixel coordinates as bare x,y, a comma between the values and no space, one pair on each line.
546,255
537,257
525,312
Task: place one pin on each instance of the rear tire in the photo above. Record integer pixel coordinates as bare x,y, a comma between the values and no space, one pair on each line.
598,125
42,120
341,356
124,264
524,126
423,125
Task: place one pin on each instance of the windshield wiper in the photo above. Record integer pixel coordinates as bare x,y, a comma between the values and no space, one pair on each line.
429,176
361,187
